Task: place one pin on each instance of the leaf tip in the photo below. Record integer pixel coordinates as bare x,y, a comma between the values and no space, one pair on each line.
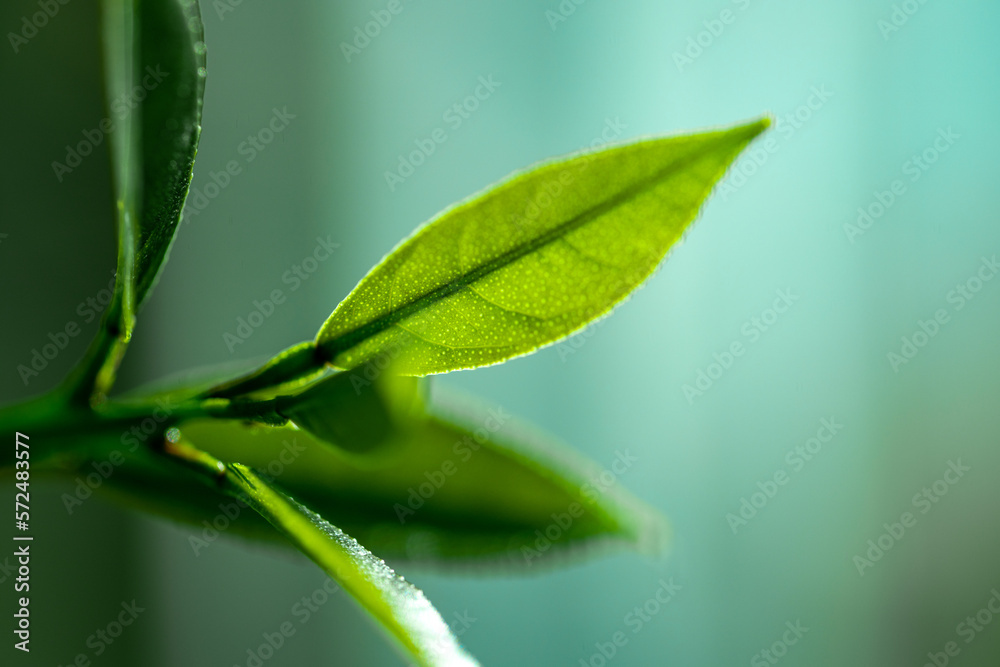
757,127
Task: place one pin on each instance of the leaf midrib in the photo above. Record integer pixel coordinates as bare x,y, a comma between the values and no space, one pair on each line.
350,339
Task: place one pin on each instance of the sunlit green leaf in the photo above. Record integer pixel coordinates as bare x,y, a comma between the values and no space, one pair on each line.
531,259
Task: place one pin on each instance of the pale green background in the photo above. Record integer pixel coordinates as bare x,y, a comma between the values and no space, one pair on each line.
783,229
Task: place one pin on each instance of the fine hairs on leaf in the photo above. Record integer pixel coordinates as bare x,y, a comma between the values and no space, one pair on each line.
340,445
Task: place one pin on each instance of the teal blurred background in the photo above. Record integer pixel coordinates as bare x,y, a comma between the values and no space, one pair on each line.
858,89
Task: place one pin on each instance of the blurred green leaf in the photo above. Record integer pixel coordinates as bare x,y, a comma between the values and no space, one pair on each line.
189,383
400,608
532,259
361,410
466,485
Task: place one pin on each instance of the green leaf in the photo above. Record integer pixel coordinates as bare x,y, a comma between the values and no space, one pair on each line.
531,259
467,485
154,64
400,608
120,61
171,72
155,73
355,412
96,372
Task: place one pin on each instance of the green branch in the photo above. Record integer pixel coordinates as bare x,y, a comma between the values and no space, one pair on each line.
59,427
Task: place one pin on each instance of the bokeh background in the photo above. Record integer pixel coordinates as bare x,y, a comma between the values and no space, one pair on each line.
859,89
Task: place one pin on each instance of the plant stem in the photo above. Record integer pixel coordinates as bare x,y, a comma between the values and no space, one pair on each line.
56,426
299,362
93,377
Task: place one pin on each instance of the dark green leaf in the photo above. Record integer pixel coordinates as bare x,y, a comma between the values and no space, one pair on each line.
155,72
119,24
467,485
154,61
171,74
